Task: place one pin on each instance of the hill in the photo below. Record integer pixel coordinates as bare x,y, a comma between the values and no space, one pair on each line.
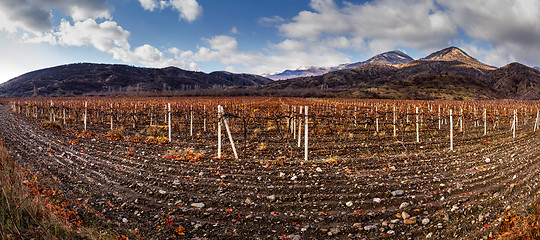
100,79
446,74
392,57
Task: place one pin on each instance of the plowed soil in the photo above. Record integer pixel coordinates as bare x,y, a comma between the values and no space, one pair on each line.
412,191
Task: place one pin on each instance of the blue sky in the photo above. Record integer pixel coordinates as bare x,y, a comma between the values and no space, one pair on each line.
259,36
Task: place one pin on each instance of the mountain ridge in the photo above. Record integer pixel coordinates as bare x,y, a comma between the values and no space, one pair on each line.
390,57
106,79
449,74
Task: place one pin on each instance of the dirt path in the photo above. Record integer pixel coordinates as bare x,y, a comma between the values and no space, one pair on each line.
131,187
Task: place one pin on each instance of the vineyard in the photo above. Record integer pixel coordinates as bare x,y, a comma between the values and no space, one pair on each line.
290,168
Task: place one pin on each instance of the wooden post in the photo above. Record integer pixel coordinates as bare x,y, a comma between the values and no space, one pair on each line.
461,120
417,127
306,135
64,110
439,117
376,120
169,111
219,131
451,132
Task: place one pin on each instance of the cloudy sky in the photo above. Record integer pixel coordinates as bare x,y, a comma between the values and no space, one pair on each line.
259,36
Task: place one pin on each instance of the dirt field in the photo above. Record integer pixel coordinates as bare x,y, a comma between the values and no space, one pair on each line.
396,189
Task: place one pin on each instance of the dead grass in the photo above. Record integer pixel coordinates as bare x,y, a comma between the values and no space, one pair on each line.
28,211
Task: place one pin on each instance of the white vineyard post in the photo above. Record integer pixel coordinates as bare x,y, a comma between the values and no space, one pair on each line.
514,125
169,113
485,122
230,136
451,132
300,127
204,121
536,121
294,122
151,114
64,110
306,135
219,131
111,117
85,111
417,127
394,120
191,122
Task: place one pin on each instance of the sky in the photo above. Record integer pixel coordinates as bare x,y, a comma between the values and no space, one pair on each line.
259,36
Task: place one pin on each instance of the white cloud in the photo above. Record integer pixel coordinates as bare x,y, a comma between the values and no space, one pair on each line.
271,21
35,15
234,30
189,10
510,27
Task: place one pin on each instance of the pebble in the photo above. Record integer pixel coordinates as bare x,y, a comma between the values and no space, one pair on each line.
404,205
271,197
318,169
281,174
349,204
425,221
294,178
248,201
410,221
198,205
377,200
405,215
162,191
124,220
390,232
488,160
397,193
176,182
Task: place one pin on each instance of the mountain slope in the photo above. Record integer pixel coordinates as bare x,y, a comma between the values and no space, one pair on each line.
447,74
392,57
88,78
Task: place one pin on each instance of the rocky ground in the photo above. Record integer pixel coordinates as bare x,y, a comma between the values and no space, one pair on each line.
180,190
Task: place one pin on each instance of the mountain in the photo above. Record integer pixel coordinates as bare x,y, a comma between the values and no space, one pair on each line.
446,74
537,68
392,57
88,78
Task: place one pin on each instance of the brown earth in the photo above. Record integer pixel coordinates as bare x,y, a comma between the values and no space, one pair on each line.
396,189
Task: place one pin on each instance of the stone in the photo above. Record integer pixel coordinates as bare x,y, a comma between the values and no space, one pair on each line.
271,197
404,205
377,200
349,204
425,221
410,221
405,215
318,169
397,193
198,205
124,220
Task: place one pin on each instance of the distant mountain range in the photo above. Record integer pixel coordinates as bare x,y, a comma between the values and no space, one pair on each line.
392,57
446,74
449,74
103,79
